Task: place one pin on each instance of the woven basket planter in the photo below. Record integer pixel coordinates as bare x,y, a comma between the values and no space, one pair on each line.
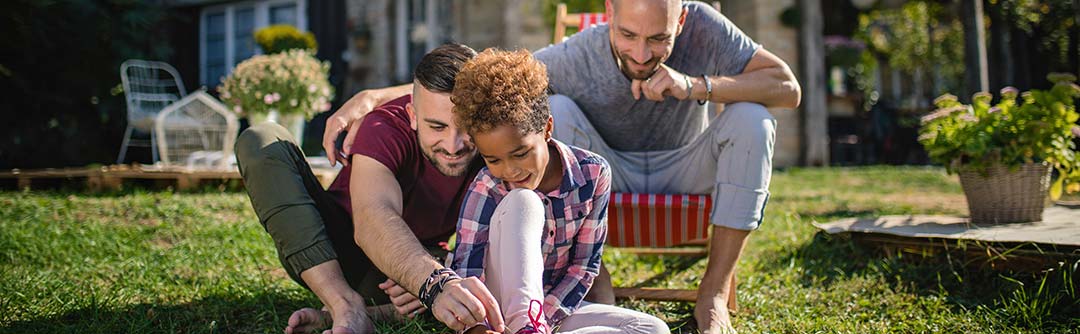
1004,196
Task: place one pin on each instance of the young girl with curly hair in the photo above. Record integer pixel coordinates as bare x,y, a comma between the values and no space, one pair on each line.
534,221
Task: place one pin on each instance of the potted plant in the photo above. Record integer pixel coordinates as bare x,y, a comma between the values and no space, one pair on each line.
288,88
287,85
1006,153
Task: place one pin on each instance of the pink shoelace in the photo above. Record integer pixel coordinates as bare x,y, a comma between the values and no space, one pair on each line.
534,321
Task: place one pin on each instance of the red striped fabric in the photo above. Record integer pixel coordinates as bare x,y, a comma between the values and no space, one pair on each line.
657,220
590,19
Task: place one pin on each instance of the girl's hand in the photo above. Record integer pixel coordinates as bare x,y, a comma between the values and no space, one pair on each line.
404,302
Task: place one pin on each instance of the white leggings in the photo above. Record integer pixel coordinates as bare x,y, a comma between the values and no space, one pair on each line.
514,269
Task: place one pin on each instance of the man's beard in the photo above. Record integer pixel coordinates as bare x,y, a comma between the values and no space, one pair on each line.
453,169
624,61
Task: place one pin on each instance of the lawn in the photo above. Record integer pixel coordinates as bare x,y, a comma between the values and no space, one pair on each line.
156,261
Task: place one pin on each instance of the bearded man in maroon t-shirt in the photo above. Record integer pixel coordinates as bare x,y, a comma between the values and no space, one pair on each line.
373,237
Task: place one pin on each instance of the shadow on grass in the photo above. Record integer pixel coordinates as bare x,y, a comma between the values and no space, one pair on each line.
673,265
261,312
1046,299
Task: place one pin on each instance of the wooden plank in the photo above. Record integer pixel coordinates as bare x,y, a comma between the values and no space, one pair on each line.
110,182
47,173
1027,257
112,177
185,182
697,251
674,295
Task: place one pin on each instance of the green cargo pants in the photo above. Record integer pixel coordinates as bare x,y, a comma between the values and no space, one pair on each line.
307,225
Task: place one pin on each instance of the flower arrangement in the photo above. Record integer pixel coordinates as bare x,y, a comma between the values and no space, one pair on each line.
1037,128
282,37
291,82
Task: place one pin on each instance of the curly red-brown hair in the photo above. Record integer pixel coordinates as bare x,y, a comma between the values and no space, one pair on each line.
501,87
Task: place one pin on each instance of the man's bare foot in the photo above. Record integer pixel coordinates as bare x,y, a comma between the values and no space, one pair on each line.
306,320
350,318
712,316
480,329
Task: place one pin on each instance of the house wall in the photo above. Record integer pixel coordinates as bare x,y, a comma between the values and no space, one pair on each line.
761,21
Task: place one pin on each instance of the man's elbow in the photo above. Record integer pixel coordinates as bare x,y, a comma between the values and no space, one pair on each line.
788,93
792,94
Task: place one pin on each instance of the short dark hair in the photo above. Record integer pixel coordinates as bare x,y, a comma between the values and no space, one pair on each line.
438,68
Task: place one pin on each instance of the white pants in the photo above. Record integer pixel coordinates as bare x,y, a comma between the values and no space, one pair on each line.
731,159
514,268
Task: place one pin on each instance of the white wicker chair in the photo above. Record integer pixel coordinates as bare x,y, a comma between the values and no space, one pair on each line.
196,132
149,86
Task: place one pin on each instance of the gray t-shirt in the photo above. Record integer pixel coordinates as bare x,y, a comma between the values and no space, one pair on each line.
584,69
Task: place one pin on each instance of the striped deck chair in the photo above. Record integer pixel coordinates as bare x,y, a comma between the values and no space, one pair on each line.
651,223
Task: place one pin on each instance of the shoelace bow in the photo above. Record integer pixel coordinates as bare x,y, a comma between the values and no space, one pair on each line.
535,320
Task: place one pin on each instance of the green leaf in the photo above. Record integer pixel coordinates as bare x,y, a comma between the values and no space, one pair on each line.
1056,188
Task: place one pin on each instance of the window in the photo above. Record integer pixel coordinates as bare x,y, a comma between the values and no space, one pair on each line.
226,33
417,30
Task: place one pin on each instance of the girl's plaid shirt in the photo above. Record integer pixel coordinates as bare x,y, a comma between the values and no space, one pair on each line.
574,234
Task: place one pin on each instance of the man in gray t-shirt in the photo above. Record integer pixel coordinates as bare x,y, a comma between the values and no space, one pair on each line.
583,69
634,91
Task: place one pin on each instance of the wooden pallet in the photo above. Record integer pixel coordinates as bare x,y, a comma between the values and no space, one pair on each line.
1032,246
114,177
1010,256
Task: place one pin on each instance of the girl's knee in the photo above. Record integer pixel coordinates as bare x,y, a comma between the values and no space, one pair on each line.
643,323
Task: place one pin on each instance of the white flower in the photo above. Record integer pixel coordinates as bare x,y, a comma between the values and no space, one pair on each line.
268,99
237,109
326,91
293,102
312,88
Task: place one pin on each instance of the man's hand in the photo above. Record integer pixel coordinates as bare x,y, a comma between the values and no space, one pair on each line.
349,116
405,303
346,117
467,302
664,82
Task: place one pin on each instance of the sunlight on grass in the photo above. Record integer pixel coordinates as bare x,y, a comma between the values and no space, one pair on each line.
150,261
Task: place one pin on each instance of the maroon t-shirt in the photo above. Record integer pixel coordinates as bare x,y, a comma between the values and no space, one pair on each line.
431,200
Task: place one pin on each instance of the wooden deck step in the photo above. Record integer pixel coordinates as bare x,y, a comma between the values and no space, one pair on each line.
115,176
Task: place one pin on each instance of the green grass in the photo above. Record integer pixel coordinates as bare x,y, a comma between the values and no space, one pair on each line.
149,261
